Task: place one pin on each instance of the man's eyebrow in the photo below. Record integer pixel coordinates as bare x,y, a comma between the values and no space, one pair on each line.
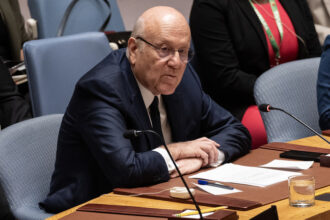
169,45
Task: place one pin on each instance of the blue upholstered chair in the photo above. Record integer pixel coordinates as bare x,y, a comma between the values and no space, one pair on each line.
292,87
86,16
27,157
54,65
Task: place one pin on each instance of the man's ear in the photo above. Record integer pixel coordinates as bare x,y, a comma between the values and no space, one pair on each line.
132,49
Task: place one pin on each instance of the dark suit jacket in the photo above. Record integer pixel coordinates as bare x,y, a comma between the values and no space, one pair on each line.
232,50
93,157
323,87
13,105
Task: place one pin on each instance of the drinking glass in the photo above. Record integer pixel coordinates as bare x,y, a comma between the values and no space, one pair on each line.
301,191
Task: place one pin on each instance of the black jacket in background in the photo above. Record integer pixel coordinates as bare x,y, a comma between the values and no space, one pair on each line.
231,47
14,107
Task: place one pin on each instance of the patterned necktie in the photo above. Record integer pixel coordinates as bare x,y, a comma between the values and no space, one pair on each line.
155,118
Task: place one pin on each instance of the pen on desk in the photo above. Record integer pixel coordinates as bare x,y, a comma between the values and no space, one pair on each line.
202,211
204,182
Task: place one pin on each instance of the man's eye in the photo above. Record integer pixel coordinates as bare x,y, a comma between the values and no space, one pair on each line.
164,49
182,51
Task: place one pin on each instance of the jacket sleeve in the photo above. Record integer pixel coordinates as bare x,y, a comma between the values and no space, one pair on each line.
323,87
102,128
225,129
221,126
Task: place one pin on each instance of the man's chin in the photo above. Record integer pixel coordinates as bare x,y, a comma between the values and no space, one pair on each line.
167,91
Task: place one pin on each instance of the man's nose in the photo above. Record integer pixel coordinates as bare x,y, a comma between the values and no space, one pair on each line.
175,60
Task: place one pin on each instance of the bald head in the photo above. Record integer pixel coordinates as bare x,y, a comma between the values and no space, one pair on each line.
160,19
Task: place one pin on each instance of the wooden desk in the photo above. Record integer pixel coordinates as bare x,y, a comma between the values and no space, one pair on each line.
313,141
320,211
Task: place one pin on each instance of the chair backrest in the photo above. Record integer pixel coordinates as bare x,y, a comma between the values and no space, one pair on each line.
86,16
54,65
292,87
27,158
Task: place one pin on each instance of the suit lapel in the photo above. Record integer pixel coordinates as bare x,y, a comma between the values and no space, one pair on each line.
137,107
254,20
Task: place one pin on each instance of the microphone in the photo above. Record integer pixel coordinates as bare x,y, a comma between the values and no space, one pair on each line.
136,133
268,108
132,134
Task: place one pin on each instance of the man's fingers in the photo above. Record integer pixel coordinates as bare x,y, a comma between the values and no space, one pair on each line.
203,148
187,166
204,156
205,139
174,174
211,151
216,157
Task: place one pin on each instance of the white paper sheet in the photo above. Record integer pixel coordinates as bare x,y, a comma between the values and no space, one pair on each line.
254,176
216,190
287,164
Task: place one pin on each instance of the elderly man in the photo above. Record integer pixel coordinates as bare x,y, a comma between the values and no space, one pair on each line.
150,86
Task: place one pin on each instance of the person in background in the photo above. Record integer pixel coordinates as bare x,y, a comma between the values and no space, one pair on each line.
12,31
146,86
237,40
321,14
14,106
323,87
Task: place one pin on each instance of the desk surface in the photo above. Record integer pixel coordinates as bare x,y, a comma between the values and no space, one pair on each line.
321,210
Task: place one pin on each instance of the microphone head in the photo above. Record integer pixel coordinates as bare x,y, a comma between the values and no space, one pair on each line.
130,134
264,107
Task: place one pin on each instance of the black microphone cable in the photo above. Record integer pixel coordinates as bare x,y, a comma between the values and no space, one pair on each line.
136,133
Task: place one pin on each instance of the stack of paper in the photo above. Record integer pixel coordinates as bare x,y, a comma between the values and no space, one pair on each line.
288,164
254,176
217,191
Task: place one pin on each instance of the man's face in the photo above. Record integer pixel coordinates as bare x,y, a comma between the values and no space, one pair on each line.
161,75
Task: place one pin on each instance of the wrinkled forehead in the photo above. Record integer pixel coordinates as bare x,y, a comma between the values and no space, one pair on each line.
168,30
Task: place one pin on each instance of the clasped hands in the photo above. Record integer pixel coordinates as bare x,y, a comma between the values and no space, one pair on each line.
190,156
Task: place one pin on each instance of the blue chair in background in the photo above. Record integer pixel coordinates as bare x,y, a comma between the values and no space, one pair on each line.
54,65
292,87
86,16
27,158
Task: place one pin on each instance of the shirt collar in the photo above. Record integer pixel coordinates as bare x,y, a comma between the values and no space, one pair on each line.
147,95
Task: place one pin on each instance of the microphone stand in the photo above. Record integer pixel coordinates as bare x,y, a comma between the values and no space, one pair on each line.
302,123
137,133
267,108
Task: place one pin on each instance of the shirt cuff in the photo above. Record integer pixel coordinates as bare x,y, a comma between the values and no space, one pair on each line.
168,161
221,158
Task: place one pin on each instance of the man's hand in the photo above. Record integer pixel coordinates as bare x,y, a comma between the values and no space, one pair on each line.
203,148
187,166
